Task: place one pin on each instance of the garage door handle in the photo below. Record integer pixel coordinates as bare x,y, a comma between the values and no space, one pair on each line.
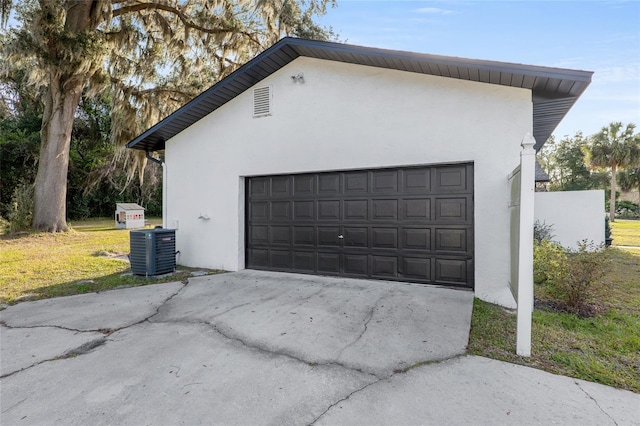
340,236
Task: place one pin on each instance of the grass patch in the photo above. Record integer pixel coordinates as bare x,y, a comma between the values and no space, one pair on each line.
86,259
626,232
603,349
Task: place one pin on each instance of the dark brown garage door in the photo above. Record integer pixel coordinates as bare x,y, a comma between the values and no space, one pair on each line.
410,224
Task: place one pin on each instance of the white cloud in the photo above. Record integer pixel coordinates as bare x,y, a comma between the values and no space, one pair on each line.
434,11
616,74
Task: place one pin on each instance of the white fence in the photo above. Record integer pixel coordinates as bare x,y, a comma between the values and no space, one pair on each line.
574,215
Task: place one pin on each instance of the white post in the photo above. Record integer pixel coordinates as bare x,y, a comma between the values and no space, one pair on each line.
525,260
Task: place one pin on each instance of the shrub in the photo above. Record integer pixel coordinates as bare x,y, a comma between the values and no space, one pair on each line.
607,228
542,231
548,260
627,209
21,209
576,278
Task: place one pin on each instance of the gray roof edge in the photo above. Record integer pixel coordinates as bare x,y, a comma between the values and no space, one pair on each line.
297,46
484,64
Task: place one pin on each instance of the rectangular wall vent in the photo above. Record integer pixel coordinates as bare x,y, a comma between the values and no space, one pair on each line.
261,101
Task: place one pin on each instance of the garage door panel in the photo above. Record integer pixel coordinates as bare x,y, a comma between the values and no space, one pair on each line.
304,261
356,236
281,186
384,238
259,211
384,210
328,236
451,210
259,258
412,224
330,184
417,268
356,264
385,266
329,262
280,210
385,181
451,240
416,238
280,259
417,180
356,183
304,235
453,271
304,210
303,185
416,209
280,235
259,234
329,210
259,187
451,179
356,210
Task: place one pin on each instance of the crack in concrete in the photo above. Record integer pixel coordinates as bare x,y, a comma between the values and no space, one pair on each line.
366,324
596,402
101,330
382,379
71,353
105,331
231,309
91,345
376,379
84,348
280,353
346,397
14,406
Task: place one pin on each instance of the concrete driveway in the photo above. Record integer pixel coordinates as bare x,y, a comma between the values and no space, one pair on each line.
267,348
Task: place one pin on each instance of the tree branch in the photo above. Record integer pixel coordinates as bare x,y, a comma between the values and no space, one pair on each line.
184,18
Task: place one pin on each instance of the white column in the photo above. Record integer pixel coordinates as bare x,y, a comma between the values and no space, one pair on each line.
525,260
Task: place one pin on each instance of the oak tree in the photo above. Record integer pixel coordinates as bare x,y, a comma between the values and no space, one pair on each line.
150,56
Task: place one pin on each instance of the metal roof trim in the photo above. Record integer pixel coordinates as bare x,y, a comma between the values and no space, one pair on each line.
568,84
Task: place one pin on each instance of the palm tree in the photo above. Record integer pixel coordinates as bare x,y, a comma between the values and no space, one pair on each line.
614,147
630,179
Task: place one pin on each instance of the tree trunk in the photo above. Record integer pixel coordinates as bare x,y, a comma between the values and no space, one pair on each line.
50,196
612,198
61,101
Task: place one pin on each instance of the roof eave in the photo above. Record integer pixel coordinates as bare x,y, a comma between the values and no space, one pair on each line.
554,90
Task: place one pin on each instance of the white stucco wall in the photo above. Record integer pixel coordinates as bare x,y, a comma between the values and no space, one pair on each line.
342,117
575,215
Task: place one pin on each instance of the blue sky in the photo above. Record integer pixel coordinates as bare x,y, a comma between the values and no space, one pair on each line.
599,36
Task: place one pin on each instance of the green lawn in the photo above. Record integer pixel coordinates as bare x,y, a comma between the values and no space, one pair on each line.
604,349
42,265
626,232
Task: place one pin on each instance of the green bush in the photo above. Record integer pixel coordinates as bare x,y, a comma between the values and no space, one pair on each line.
548,260
627,210
575,277
21,209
